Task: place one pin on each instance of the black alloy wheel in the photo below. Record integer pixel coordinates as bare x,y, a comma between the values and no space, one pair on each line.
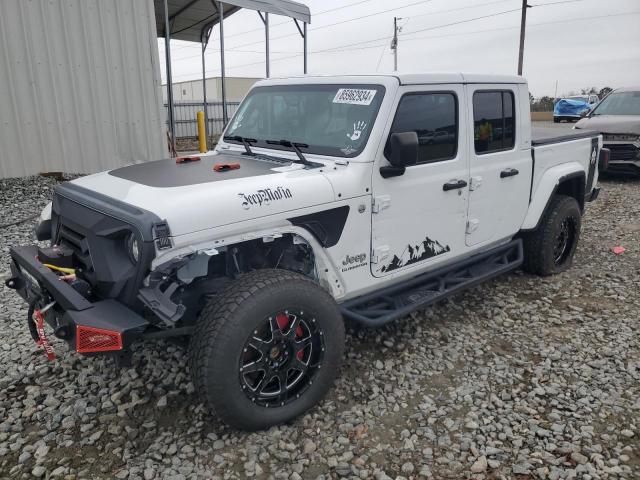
550,248
564,240
281,358
266,348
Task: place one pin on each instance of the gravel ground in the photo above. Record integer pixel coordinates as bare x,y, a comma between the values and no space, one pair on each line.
524,377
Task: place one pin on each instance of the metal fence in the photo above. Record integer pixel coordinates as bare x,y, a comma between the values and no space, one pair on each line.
185,114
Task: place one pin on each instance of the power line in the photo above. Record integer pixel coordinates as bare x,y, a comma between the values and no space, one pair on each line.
320,27
416,31
429,28
259,29
344,49
342,22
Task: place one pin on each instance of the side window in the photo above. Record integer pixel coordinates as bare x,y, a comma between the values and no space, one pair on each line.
434,118
494,122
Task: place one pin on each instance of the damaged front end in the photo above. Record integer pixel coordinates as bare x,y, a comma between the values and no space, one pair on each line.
95,286
175,291
101,250
89,325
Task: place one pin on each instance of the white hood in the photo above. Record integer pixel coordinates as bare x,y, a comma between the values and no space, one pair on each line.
192,196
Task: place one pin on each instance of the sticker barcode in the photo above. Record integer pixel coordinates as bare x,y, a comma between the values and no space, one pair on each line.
354,96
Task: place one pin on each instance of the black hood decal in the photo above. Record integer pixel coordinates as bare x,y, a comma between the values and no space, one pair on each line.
166,173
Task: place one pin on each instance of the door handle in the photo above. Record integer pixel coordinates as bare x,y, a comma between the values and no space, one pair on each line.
509,172
453,184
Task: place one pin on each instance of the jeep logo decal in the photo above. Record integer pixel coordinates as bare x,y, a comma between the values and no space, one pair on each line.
354,261
264,197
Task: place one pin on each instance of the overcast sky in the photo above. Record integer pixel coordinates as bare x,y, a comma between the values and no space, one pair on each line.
579,43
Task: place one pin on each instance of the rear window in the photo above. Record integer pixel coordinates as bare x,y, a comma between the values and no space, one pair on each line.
493,121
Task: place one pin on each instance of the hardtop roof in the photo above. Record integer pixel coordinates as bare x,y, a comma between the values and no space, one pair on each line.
403,78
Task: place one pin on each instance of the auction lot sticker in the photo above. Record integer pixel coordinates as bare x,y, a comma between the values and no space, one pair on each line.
354,96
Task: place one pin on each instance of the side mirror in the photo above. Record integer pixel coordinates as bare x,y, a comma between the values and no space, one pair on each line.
403,149
403,152
585,113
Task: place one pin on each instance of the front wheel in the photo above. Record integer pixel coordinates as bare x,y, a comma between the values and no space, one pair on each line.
266,349
550,248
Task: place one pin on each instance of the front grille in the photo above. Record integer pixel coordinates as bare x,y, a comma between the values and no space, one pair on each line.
96,228
623,151
79,244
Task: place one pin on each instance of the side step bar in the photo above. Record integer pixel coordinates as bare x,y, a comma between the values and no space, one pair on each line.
382,306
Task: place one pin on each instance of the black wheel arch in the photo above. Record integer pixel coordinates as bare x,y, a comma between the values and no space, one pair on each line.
571,185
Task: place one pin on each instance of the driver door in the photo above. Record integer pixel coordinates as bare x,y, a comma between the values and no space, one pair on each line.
419,217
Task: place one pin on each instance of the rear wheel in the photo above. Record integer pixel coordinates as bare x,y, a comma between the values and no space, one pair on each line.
550,248
266,349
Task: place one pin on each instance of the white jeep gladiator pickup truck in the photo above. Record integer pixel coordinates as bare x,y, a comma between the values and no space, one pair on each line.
327,198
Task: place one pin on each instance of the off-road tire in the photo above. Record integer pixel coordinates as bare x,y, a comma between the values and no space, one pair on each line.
539,245
229,319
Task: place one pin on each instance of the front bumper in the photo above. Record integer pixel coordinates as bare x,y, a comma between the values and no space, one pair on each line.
625,157
72,313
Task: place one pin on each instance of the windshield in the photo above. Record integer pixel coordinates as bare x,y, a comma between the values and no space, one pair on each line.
323,119
580,99
623,103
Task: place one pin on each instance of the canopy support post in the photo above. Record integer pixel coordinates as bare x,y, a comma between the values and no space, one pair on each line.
222,74
204,40
265,20
167,56
303,34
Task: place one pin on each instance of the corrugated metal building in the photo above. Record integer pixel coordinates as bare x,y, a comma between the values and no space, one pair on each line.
191,90
80,87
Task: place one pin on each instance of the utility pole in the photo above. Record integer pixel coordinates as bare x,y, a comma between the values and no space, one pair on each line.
523,23
394,43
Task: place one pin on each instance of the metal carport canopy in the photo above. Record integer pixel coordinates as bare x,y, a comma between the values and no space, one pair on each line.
193,21
189,16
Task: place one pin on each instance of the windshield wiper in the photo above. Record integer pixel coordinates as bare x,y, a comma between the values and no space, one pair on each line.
295,146
244,140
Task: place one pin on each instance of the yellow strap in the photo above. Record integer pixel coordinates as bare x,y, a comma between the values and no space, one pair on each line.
68,271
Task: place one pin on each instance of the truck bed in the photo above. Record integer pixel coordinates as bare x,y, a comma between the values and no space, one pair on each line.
545,136
563,150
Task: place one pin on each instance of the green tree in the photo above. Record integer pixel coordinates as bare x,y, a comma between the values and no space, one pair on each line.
604,91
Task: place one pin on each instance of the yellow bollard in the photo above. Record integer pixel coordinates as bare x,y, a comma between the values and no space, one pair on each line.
202,138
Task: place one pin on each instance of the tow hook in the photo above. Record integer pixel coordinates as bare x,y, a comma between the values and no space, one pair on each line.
43,341
63,332
13,282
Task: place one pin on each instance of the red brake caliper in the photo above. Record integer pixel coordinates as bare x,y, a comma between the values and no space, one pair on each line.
283,322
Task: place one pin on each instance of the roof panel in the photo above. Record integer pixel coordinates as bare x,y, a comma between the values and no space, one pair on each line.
190,17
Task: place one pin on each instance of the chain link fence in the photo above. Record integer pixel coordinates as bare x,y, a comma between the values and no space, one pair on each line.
186,117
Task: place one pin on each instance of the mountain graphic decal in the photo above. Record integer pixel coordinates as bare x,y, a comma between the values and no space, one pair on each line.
416,253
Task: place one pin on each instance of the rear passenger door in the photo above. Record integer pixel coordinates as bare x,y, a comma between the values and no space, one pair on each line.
500,171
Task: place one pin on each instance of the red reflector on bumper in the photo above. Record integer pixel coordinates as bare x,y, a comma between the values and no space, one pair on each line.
89,339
